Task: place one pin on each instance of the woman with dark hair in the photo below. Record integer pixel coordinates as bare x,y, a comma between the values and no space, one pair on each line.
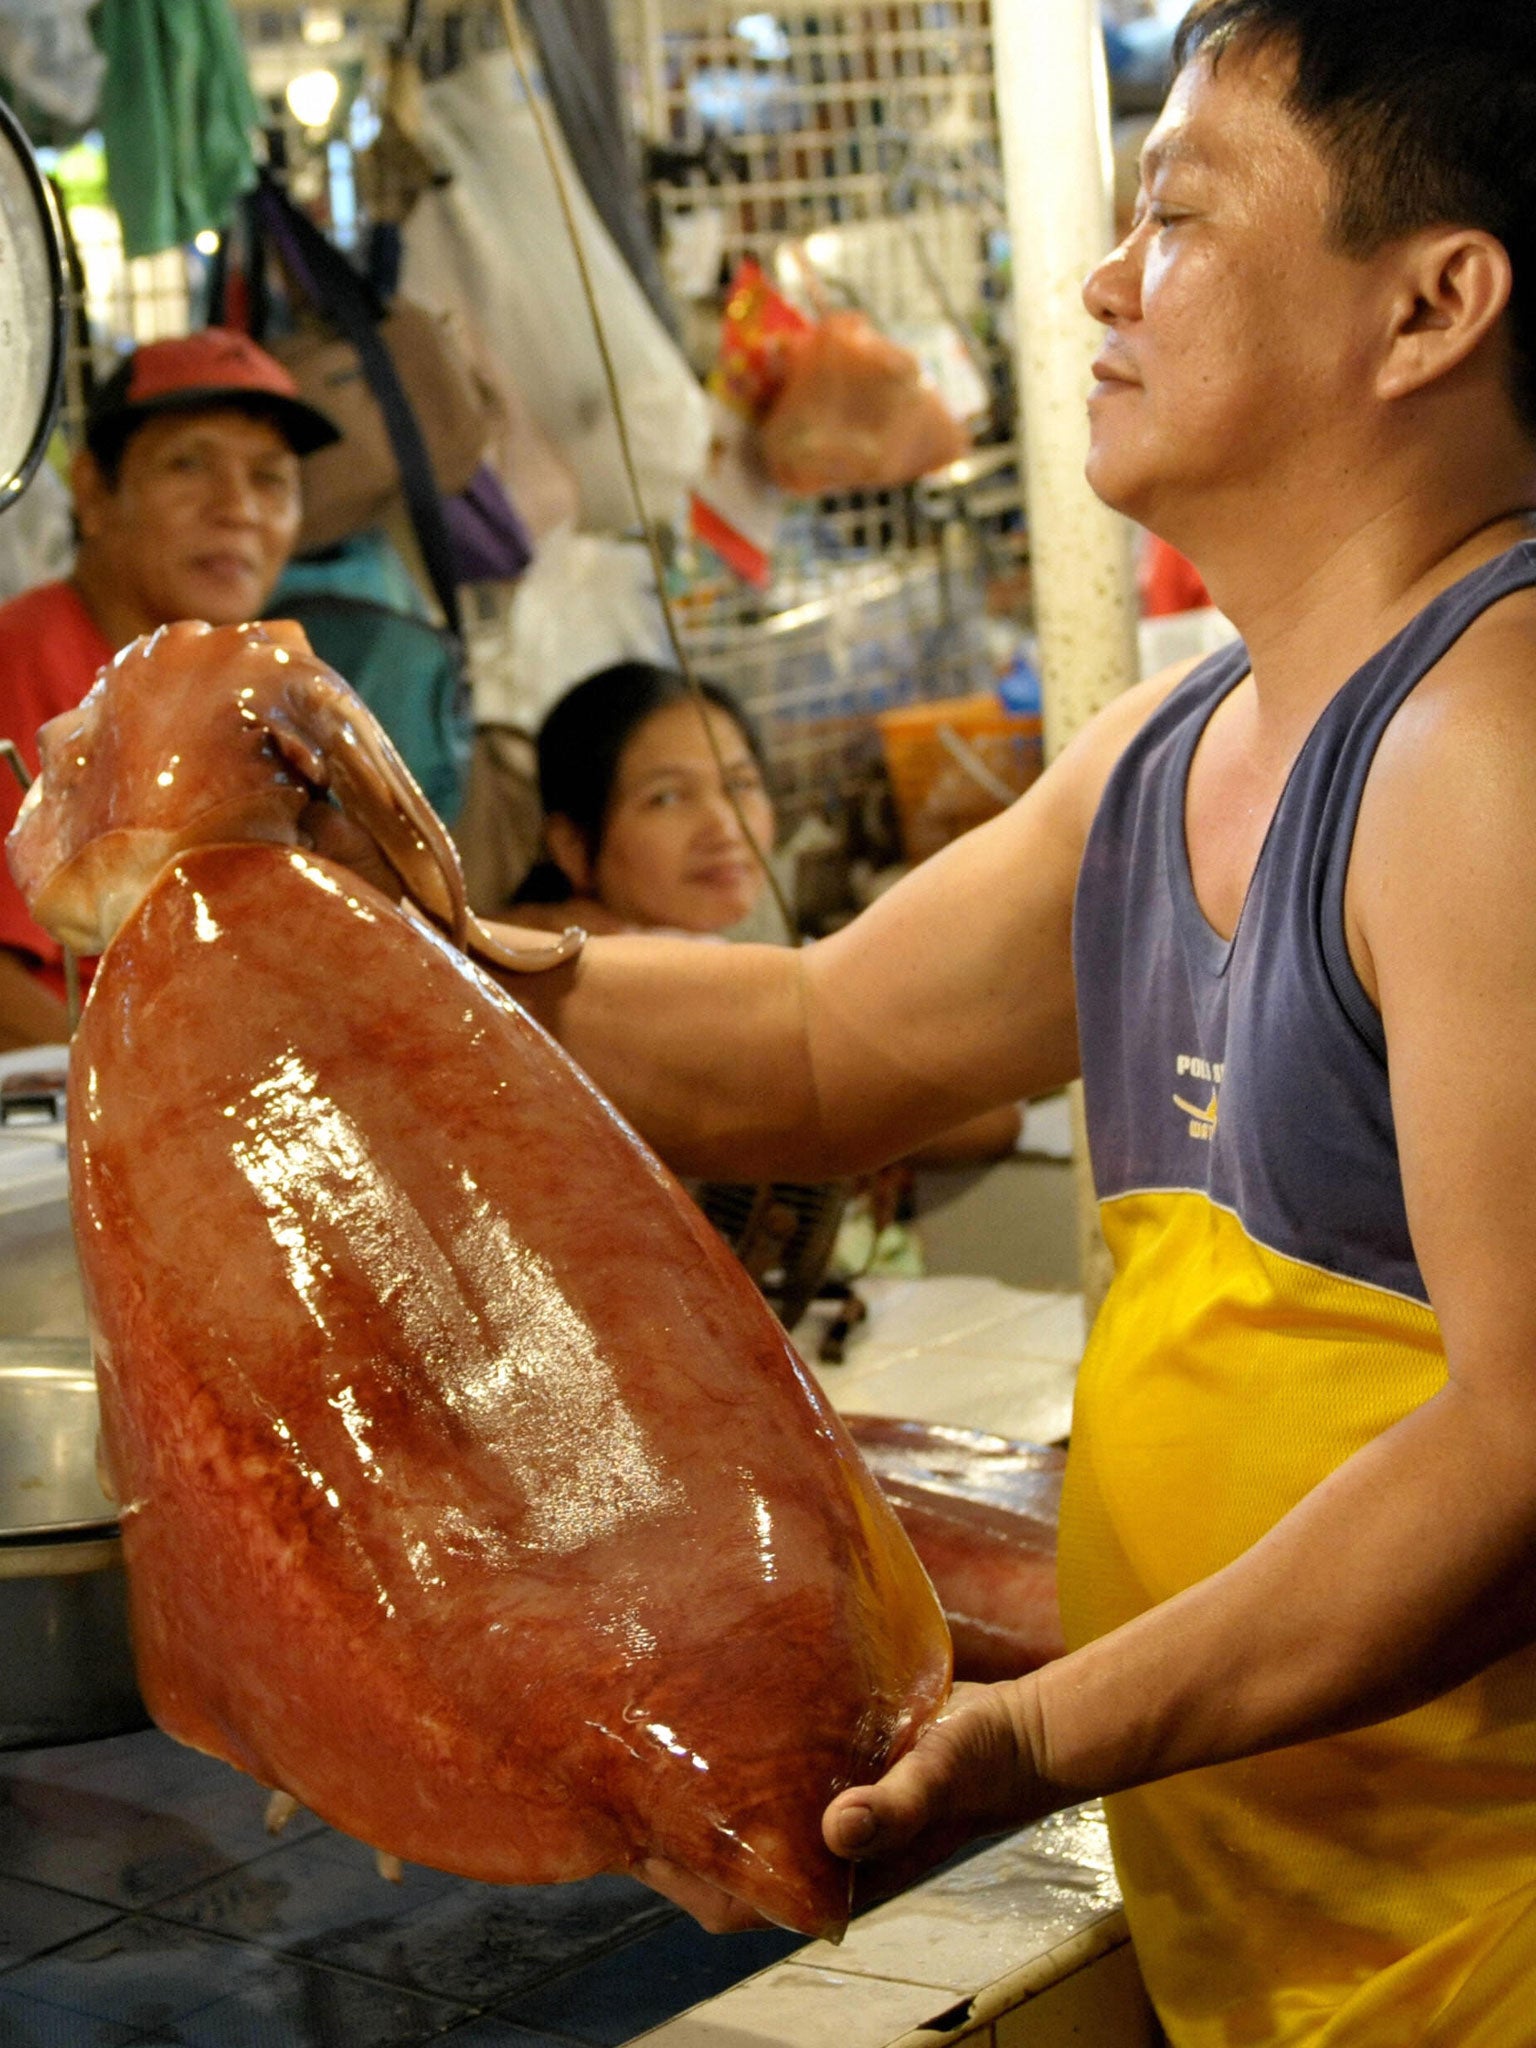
647,825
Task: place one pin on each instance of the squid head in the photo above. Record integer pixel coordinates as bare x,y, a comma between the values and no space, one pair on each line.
202,734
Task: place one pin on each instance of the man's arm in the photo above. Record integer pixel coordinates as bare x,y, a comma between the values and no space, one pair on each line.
1413,1566
951,994
30,1014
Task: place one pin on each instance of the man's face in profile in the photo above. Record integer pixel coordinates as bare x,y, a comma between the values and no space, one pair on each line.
201,520
1238,334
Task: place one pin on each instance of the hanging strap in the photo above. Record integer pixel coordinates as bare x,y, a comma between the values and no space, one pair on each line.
347,299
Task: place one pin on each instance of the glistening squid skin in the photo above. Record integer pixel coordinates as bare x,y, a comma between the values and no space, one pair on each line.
470,1493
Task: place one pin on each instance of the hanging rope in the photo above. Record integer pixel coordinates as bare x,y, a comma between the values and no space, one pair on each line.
685,668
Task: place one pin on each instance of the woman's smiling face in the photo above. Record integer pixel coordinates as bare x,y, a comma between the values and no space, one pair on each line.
673,851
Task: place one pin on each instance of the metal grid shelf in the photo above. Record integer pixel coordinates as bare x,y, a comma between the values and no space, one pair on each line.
814,676
868,134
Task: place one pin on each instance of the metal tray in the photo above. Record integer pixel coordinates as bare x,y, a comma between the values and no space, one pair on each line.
49,1492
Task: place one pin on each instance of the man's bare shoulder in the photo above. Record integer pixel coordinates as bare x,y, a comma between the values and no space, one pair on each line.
1476,707
1447,824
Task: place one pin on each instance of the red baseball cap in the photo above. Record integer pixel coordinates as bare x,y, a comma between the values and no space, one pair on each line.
201,372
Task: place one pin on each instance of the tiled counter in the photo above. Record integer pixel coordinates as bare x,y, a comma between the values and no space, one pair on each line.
143,1905
1020,1946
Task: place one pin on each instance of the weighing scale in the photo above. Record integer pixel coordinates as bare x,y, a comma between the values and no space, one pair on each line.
34,310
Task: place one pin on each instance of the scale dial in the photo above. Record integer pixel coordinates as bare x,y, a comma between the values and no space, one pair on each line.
33,310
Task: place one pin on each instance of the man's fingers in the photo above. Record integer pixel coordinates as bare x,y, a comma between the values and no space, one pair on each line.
851,1827
874,1820
971,1772
340,839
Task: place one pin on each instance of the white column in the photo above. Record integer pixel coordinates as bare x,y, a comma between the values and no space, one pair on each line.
1053,115
653,59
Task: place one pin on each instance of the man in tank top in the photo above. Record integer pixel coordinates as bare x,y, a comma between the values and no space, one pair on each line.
1299,1541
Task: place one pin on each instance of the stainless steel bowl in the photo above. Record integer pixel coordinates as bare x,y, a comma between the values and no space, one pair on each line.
68,1669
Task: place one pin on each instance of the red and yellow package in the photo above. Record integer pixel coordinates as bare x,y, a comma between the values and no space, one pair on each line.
736,509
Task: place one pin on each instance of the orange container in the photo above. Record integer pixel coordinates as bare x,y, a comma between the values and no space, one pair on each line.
954,763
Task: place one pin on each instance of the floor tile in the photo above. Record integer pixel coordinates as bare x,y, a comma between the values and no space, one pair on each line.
1104,2002
491,2032
982,1919
27,2023
34,1917
475,1942
647,1981
482,1943
149,1769
100,1846
936,1309
145,1766
1041,1326
324,1886
139,1972
1026,1398
300,2005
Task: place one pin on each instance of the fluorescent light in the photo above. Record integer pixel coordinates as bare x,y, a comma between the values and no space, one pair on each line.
322,25
312,97
206,243
764,37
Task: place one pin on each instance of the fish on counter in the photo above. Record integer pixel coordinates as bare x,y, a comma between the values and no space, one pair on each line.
982,1512
470,1494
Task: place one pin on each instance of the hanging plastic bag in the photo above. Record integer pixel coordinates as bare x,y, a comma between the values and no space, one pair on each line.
587,602
854,413
348,486
493,245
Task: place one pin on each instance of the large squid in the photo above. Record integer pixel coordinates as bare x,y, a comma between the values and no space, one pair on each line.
470,1494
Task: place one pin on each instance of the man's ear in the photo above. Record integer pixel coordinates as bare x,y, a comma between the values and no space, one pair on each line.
91,492
568,850
1454,290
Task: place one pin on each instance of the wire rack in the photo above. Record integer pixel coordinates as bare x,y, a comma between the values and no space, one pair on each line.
814,675
877,121
861,139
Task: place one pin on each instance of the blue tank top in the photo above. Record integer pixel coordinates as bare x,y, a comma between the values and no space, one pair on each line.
1267,1319
1254,1070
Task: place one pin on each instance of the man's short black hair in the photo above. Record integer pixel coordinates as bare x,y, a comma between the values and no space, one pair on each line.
1424,112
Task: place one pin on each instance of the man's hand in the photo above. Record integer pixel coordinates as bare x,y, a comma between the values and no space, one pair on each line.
339,838
973,1771
976,1770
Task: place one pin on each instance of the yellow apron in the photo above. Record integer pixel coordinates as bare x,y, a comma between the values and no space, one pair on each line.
1366,1891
